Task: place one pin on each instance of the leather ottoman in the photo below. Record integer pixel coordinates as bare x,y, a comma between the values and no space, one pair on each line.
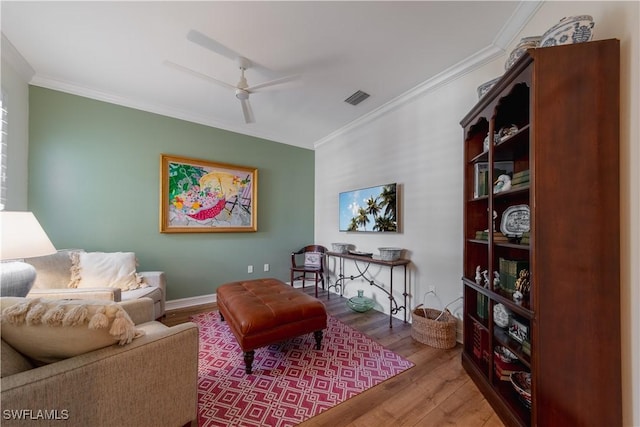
267,311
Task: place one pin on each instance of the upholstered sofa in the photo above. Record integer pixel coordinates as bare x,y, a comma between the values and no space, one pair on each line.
54,275
151,381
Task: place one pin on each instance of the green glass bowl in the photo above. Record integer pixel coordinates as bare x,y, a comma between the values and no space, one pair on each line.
360,304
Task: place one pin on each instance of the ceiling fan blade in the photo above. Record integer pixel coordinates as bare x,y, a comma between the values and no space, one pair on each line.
208,43
281,80
247,111
198,74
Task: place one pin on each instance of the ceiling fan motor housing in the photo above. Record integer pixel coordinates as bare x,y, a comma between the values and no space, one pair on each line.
242,94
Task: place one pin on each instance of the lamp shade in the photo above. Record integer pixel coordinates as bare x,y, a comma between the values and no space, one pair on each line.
22,236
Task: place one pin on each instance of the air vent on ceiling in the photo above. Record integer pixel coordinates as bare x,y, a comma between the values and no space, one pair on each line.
357,98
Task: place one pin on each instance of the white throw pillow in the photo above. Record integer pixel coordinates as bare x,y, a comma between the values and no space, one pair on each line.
47,330
102,269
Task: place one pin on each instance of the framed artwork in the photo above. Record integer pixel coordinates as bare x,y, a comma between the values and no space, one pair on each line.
372,209
518,330
199,196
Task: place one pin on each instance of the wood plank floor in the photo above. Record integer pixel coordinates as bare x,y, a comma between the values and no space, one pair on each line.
435,392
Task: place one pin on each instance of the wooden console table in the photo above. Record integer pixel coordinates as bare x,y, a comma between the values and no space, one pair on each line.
362,264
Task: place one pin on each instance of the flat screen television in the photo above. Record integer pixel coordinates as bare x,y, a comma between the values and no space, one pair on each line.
372,209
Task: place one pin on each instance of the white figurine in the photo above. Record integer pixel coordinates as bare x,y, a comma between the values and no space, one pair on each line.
503,183
478,276
485,275
496,280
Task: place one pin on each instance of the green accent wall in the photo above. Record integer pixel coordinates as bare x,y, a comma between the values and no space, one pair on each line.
94,184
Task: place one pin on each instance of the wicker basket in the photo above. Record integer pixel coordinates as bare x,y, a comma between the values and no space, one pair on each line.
438,334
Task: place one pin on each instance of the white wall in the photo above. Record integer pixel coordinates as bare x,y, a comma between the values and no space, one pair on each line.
419,145
15,75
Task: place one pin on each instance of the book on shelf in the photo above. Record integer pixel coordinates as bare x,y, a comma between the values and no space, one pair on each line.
505,369
521,180
521,174
509,271
480,343
497,236
519,186
482,306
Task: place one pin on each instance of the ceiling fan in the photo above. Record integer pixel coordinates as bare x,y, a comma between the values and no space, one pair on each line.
242,88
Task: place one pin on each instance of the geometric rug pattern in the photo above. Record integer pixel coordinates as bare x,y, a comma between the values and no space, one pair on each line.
291,381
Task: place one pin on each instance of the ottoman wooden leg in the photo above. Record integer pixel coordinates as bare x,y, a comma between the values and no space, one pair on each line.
221,316
318,337
248,360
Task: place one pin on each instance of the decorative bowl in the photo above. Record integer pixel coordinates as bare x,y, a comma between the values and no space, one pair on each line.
521,382
524,44
341,248
504,354
390,254
485,142
484,87
572,29
500,316
507,132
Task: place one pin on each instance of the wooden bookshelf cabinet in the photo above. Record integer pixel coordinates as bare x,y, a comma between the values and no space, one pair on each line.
564,101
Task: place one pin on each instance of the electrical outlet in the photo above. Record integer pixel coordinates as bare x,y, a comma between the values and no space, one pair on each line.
266,267
250,269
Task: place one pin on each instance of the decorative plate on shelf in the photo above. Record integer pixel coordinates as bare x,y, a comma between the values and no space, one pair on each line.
515,220
521,382
500,316
572,29
504,354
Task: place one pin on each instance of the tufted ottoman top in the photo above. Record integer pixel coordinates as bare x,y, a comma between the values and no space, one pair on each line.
265,311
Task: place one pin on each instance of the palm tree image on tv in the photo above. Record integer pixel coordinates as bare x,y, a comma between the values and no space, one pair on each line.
369,209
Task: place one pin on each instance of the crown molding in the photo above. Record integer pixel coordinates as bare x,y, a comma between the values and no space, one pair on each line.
163,110
523,13
520,17
13,58
473,62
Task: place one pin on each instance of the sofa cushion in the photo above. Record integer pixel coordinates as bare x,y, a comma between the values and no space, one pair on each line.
54,271
12,361
50,330
152,292
101,269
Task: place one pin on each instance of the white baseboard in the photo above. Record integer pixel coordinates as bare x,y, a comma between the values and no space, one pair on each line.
211,298
189,302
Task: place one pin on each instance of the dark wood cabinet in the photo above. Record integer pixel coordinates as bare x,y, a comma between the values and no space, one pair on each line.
561,105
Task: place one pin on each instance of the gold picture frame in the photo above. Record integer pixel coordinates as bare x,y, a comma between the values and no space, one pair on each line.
200,196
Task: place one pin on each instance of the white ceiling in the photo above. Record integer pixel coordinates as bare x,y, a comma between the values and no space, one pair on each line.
115,51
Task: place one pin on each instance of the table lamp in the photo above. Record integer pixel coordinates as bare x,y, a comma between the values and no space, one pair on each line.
22,237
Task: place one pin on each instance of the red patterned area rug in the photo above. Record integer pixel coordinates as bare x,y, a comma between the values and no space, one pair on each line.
291,381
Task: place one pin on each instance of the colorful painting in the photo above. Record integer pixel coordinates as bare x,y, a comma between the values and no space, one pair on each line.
198,196
369,209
